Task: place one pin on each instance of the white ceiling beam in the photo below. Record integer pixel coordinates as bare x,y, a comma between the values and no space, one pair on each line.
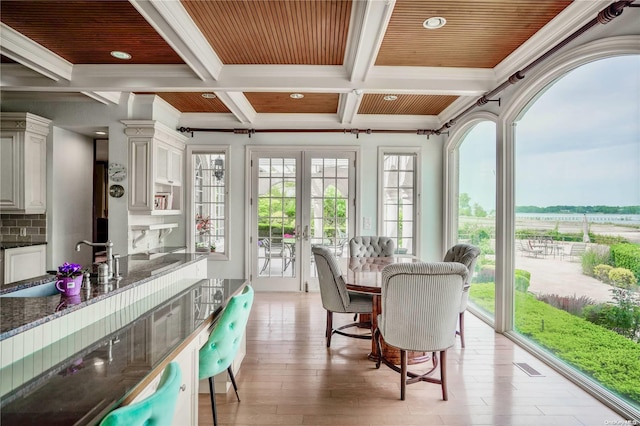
107,98
255,78
238,105
348,106
175,26
369,20
27,52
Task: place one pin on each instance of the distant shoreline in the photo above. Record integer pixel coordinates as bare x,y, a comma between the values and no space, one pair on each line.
629,231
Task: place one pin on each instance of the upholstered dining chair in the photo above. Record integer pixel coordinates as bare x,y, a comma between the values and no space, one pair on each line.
371,247
419,311
224,341
467,255
336,297
157,409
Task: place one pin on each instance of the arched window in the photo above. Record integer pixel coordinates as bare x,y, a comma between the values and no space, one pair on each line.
577,198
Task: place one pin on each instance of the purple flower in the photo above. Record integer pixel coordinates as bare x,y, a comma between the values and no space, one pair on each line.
69,270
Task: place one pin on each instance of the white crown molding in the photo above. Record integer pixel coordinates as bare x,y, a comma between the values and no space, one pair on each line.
369,21
175,26
33,55
456,107
573,17
396,122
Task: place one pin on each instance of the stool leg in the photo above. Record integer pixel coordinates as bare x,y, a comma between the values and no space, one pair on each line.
233,381
212,392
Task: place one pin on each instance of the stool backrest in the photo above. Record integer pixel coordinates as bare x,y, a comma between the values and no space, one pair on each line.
157,409
224,341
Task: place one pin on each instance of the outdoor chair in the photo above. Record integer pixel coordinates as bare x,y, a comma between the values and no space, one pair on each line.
336,297
467,255
527,247
371,247
277,250
420,306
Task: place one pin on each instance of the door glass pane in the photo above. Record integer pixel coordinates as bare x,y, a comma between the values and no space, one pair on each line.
329,207
276,217
209,202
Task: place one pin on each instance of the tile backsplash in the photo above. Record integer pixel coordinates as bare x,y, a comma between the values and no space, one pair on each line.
33,227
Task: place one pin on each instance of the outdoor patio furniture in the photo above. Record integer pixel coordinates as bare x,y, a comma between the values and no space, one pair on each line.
526,246
281,250
575,250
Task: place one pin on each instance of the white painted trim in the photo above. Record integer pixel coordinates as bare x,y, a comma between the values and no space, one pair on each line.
348,106
107,98
239,106
33,55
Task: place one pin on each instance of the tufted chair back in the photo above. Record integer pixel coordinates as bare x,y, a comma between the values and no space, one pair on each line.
465,254
371,247
221,348
157,409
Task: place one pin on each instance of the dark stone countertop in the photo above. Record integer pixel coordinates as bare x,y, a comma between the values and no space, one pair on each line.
4,245
93,381
18,314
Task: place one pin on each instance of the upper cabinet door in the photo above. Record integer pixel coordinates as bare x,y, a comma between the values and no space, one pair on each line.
23,163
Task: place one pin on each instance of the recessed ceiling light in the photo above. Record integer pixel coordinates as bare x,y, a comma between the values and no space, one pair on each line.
390,98
208,96
434,23
101,133
296,96
120,55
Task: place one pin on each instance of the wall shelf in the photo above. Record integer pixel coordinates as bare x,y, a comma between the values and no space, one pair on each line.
163,228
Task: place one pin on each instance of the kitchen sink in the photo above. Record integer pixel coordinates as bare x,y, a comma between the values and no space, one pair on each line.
42,290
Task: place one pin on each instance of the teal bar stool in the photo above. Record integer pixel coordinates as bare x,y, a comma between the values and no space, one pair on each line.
156,410
224,341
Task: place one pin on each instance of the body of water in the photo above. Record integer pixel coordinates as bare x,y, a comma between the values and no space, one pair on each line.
618,219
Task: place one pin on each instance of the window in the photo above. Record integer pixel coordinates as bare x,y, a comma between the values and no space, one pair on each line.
398,199
577,198
477,208
209,201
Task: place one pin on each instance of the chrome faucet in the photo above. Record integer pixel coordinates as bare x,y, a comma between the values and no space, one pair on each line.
108,245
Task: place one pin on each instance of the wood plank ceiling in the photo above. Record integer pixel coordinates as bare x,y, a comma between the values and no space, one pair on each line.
478,35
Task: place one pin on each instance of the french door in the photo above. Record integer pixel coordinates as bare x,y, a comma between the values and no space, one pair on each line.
298,199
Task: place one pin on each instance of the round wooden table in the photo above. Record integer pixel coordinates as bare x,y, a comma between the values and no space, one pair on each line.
364,275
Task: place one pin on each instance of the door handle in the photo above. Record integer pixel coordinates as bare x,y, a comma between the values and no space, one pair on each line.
298,236
305,234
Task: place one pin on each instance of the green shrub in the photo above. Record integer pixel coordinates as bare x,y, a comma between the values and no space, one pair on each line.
627,256
623,320
593,258
623,278
486,274
601,272
608,357
522,279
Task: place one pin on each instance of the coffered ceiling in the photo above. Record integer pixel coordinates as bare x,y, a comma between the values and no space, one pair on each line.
347,58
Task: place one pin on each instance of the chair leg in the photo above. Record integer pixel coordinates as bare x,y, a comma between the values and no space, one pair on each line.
212,393
233,382
266,263
329,330
403,373
462,329
443,374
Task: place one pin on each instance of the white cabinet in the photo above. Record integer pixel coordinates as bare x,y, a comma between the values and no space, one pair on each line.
156,156
24,262
23,163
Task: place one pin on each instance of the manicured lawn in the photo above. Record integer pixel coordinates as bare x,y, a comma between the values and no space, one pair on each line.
604,355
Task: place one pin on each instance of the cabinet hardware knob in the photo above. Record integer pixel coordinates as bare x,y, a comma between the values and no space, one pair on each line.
183,387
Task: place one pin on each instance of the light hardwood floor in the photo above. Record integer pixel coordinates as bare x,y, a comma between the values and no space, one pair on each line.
289,377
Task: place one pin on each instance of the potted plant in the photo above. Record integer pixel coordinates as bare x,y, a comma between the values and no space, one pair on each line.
201,247
212,247
69,279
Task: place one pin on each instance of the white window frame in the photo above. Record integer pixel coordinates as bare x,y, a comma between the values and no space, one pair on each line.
417,190
190,211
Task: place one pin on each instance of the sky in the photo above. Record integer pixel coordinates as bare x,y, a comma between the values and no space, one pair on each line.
577,144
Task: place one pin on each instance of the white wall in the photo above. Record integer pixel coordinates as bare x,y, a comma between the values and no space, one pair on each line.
432,184
70,197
